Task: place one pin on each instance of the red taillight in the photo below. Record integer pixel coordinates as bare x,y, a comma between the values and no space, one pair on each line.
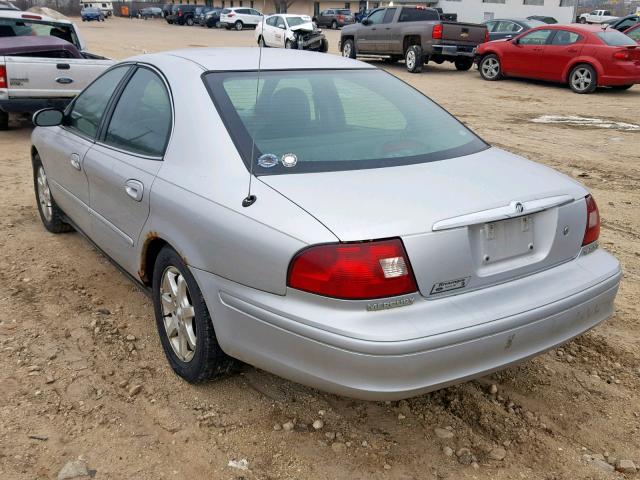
437,31
622,55
3,76
486,36
592,231
353,271
340,17
179,13
231,14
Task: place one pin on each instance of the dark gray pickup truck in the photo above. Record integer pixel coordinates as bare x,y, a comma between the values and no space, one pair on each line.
414,33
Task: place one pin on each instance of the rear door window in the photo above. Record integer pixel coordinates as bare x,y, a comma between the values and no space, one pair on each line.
388,15
564,37
141,121
413,14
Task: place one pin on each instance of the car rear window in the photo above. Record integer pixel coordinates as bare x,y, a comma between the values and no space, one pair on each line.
615,38
334,120
225,11
13,27
412,14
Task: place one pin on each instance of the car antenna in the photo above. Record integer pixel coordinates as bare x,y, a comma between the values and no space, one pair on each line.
250,199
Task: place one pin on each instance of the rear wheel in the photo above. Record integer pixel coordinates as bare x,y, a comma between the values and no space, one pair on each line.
4,120
348,49
583,79
238,25
414,59
490,68
184,323
288,44
463,64
50,214
583,20
190,21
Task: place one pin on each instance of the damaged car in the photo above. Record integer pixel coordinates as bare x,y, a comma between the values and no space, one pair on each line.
291,31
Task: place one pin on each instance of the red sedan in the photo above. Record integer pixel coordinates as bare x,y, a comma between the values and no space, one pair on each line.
584,56
634,33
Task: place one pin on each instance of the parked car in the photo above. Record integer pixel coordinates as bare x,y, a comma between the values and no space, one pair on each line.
334,18
43,62
212,17
181,14
150,12
89,14
291,31
239,18
198,18
287,278
633,33
414,33
597,16
585,57
6,5
105,7
509,28
543,19
624,23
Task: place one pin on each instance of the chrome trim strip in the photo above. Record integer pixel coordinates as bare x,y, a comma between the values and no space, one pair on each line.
502,213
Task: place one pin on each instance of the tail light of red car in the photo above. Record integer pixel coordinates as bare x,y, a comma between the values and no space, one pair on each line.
592,231
437,31
353,271
3,76
622,55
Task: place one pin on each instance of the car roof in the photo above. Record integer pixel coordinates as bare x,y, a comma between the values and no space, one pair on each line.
576,27
20,15
246,59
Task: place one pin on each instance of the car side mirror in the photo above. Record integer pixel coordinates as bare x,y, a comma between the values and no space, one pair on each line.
366,21
48,117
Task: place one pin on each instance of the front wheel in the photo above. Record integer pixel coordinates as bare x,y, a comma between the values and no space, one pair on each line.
490,68
324,46
50,214
238,25
414,59
288,44
334,25
463,64
190,21
261,42
583,79
184,323
348,49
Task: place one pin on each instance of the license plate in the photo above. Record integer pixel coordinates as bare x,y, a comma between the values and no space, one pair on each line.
449,50
507,239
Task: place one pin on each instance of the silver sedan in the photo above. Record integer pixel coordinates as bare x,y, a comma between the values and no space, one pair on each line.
321,220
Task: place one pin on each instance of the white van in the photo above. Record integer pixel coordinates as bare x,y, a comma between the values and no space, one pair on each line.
105,7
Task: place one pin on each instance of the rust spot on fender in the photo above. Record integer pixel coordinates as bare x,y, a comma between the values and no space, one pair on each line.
142,271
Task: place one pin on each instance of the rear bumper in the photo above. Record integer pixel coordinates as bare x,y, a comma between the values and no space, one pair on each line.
455,50
624,78
255,327
30,105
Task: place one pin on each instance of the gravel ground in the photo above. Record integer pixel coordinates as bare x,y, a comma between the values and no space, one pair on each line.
85,389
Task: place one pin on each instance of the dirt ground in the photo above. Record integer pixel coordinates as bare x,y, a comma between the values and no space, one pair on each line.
82,373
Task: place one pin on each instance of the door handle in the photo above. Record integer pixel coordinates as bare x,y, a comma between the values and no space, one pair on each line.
387,28
134,189
74,159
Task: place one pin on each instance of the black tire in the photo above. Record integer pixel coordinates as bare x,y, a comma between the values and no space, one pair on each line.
583,20
288,44
261,42
349,49
324,46
4,120
53,220
414,59
490,68
621,87
583,79
463,64
189,21
238,25
334,25
170,22
208,361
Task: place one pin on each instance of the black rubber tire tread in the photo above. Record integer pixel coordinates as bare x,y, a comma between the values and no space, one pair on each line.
419,58
463,64
209,361
486,57
57,223
4,120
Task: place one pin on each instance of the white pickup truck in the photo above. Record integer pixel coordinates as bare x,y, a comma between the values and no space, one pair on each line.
597,16
43,63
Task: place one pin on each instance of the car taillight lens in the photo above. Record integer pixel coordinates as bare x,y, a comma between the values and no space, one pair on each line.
486,36
231,15
3,76
353,271
622,55
437,31
340,17
592,232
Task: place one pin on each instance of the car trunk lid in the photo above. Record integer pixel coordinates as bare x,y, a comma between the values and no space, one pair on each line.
459,219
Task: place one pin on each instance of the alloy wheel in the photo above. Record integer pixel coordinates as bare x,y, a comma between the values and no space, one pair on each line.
346,50
44,195
581,79
178,314
411,59
491,68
